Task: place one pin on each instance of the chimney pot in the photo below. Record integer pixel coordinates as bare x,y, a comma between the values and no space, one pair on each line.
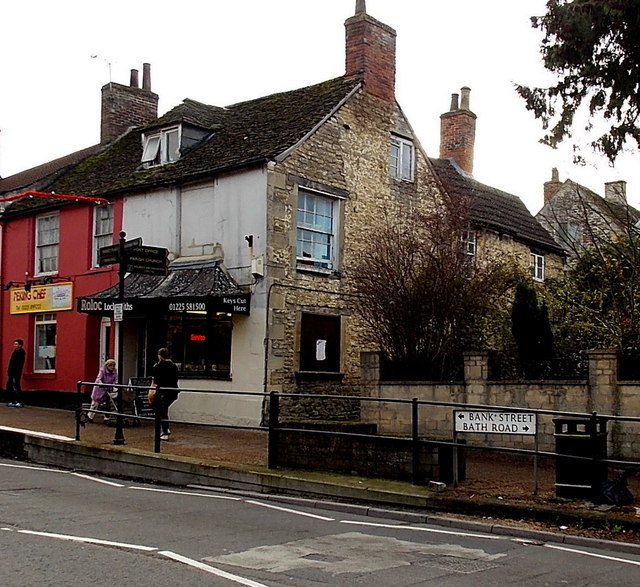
454,102
464,102
134,79
146,76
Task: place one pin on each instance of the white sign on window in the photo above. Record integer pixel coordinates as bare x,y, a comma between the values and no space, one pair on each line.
321,350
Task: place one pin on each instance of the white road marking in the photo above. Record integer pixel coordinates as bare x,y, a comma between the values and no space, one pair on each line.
32,468
38,434
604,556
185,493
420,529
209,569
290,511
71,538
111,483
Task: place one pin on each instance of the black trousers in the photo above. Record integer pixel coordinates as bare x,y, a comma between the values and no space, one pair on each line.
162,404
13,388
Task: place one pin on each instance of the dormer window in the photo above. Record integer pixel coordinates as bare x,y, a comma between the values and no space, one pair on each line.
161,147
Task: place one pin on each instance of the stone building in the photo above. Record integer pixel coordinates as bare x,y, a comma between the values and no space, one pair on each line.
263,206
578,217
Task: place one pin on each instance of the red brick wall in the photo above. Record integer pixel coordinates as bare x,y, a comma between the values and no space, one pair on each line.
123,107
457,137
371,55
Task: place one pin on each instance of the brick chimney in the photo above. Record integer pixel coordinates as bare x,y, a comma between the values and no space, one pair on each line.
551,187
458,132
127,106
371,53
616,192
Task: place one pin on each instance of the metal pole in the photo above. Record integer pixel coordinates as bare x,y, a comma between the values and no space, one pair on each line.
535,459
78,409
119,434
455,452
157,421
415,444
273,431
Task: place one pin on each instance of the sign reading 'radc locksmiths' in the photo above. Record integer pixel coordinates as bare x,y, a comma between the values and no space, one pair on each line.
489,422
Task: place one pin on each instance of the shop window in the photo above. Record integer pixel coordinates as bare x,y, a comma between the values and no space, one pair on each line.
102,229
47,240
316,229
201,344
320,343
45,343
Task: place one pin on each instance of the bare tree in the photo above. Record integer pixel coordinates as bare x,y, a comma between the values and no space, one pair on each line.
421,292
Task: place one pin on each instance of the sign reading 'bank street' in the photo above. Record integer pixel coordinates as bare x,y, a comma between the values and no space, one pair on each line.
488,422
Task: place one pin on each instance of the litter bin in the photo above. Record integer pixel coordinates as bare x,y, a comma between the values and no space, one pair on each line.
580,437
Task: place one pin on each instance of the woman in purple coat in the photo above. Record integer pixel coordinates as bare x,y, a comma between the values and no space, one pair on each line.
107,377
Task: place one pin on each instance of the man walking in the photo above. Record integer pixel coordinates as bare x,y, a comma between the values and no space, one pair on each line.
14,373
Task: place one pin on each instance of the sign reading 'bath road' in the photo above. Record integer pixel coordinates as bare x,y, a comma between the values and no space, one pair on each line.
489,422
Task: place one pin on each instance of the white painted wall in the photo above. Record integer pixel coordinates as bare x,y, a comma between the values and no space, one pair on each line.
200,220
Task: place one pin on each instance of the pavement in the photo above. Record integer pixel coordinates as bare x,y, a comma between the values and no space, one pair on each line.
500,495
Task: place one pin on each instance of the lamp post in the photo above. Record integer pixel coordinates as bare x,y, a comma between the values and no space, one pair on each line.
122,258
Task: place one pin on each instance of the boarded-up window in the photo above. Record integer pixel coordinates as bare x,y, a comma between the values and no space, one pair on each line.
320,343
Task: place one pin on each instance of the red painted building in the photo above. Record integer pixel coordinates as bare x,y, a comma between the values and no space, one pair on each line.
49,258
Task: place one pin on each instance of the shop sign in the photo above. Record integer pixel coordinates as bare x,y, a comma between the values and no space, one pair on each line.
52,297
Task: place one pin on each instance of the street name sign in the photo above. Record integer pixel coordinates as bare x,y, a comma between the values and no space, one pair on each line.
490,422
110,255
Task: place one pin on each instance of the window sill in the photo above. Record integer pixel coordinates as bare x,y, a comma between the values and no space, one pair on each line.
301,268
37,376
319,376
192,375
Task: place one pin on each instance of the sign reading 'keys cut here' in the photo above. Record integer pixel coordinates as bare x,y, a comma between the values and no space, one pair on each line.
488,422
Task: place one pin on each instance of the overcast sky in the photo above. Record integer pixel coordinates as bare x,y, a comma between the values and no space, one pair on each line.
55,57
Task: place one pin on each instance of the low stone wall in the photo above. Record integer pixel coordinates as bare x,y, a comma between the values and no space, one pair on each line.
312,447
600,393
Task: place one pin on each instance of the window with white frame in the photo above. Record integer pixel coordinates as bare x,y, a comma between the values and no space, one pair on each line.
102,229
469,245
401,158
44,354
47,240
537,266
161,147
316,229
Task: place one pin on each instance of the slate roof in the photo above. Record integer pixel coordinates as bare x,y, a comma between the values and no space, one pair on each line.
494,209
203,280
624,213
242,134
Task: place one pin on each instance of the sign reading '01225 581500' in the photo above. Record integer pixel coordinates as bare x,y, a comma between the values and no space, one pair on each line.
490,422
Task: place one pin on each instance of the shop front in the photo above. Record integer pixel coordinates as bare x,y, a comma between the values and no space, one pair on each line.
190,311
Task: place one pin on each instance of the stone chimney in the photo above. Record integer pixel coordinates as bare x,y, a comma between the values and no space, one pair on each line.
127,106
458,132
371,53
551,187
615,192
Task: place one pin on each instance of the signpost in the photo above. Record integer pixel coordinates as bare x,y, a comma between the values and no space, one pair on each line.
132,257
490,422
